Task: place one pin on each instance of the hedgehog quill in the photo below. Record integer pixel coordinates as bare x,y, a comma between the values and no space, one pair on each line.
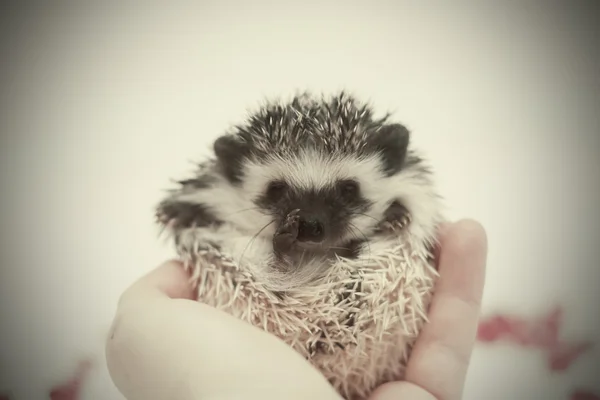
315,221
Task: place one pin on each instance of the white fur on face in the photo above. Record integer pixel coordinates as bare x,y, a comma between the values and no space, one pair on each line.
240,235
313,170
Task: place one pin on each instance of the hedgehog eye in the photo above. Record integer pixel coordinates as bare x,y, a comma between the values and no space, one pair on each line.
349,189
276,190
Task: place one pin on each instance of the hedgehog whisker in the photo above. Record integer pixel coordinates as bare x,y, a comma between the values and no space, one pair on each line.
302,257
253,238
337,248
243,210
368,216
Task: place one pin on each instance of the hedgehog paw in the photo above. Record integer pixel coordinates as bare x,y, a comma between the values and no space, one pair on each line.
397,217
287,233
404,221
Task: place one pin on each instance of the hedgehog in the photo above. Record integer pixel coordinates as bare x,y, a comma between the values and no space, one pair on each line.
316,221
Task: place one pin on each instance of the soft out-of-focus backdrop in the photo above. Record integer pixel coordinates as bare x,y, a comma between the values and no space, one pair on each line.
100,105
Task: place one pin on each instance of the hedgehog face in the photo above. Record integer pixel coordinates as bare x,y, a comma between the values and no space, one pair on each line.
328,164
318,216
333,198
327,194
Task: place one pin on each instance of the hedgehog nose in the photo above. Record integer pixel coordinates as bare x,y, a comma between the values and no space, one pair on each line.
310,229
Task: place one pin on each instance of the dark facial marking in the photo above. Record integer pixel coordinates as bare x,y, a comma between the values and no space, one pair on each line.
186,215
231,152
311,226
349,190
322,215
290,248
275,191
391,142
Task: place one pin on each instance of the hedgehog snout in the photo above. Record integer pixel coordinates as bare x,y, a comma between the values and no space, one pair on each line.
310,229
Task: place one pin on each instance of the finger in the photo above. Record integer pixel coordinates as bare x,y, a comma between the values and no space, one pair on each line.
440,358
440,234
167,280
401,390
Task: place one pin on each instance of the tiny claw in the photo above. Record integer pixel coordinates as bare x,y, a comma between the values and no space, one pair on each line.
396,217
404,221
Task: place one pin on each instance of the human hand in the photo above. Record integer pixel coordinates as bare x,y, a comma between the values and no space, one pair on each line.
164,344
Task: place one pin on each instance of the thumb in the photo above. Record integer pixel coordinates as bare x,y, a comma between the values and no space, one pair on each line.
164,348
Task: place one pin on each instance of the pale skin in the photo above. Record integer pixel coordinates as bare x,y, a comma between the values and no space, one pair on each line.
165,345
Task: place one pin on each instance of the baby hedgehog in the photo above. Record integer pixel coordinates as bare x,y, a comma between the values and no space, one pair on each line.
316,222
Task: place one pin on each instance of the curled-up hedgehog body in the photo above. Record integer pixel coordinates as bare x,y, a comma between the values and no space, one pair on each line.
315,221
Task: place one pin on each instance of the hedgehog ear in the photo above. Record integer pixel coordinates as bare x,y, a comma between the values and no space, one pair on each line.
391,142
230,152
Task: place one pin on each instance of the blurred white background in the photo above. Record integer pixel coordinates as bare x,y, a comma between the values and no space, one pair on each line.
101,106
